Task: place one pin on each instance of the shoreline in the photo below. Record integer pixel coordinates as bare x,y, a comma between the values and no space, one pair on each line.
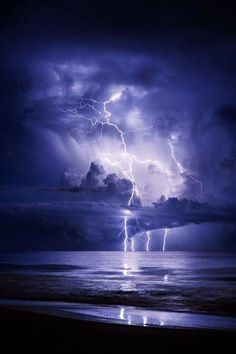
30,332
124,315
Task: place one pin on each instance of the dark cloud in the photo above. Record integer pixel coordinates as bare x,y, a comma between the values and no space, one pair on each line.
115,184
227,115
91,180
96,224
192,210
121,188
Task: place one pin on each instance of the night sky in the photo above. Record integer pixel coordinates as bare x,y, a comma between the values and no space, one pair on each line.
169,73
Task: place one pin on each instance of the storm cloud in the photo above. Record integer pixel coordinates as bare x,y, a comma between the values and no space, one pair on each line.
163,95
167,76
73,223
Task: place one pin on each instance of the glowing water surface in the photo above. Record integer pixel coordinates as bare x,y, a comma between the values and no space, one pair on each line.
181,283
126,315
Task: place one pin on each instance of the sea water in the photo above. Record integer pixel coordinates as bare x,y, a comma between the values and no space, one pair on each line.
189,282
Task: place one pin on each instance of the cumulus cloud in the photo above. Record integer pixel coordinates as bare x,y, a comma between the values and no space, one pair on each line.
99,185
70,178
92,180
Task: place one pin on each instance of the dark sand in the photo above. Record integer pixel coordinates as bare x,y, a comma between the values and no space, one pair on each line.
26,332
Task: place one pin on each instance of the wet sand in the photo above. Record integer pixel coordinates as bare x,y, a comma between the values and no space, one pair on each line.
29,332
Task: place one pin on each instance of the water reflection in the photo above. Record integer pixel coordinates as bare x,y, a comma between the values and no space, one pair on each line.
130,278
165,278
130,269
122,313
140,317
130,264
145,321
127,315
128,286
126,271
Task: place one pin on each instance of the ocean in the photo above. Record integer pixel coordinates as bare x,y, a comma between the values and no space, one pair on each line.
202,283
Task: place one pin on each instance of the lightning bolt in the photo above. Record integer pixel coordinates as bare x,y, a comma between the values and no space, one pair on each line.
126,233
107,119
104,118
132,244
164,240
128,238
183,170
145,321
122,313
148,234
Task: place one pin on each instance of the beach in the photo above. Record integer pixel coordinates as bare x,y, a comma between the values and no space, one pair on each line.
28,332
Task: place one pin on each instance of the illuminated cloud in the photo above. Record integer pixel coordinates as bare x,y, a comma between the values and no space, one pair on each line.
153,98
